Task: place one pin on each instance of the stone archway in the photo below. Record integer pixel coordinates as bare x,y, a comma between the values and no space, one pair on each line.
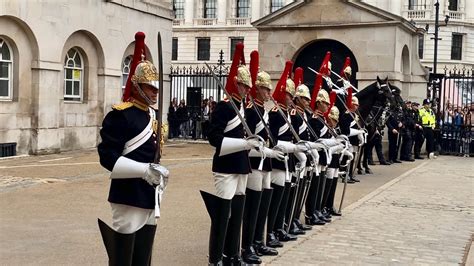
312,55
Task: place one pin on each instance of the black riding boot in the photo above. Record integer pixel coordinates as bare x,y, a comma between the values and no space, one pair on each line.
252,203
275,202
327,190
290,211
259,243
319,200
142,250
232,238
279,227
119,246
218,209
310,204
330,201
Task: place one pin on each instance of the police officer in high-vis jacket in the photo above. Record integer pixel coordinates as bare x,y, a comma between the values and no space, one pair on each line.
428,122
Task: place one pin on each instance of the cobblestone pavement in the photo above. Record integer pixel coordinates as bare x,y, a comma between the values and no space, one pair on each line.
425,216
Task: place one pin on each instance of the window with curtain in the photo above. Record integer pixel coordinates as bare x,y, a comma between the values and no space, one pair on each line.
421,46
453,5
456,47
178,7
6,65
243,8
73,75
203,49
210,9
275,5
233,42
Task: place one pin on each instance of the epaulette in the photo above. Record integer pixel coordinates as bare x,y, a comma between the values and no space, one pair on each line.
274,109
249,105
293,112
122,106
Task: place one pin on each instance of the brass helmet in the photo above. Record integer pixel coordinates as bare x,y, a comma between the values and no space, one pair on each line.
243,76
355,100
303,91
334,114
290,87
263,80
348,71
146,73
323,96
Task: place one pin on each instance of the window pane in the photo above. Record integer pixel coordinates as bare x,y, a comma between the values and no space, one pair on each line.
4,66
70,63
209,8
456,47
77,60
453,5
68,73
68,87
421,46
174,49
4,52
275,5
124,80
4,88
243,7
233,43
76,74
76,88
204,46
178,6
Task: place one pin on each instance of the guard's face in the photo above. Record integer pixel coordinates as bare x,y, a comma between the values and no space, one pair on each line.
264,93
150,91
332,123
354,107
243,89
289,101
304,102
323,106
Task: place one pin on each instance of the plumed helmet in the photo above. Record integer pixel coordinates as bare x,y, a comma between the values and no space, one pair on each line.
355,100
334,114
263,80
323,96
243,76
303,91
146,73
290,87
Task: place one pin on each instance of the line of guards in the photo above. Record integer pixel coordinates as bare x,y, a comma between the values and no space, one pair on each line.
269,166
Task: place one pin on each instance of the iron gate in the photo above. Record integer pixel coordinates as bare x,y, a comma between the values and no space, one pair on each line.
192,85
453,101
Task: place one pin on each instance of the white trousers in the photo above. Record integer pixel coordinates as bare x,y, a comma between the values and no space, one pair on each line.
228,185
259,180
128,219
331,173
278,177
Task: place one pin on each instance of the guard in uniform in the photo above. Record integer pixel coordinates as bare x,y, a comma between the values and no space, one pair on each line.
259,190
230,167
313,215
407,133
128,147
419,137
350,128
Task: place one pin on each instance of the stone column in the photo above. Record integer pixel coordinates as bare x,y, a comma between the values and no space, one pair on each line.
189,12
221,12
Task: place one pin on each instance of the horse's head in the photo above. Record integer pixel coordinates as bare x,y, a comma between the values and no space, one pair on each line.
384,93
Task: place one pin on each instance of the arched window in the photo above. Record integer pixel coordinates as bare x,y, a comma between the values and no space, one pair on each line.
6,66
73,75
127,62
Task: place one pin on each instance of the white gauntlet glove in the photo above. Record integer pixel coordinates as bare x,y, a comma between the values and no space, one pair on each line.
329,142
285,146
269,153
232,145
316,145
301,158
156,174
349,154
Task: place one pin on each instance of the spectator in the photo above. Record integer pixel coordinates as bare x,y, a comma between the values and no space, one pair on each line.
172,119
182,115
205,117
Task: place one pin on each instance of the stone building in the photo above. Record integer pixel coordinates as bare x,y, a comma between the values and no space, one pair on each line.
379,43
62,66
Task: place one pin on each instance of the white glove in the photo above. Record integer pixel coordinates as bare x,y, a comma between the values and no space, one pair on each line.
336,149
315,154
156,174
285,146
302,147
361,138
349,154
232,145
329,142
276,154
301,158
354,132
315,145
343,137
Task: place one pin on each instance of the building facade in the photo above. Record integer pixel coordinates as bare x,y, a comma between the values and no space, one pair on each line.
456,20
202,28
63,64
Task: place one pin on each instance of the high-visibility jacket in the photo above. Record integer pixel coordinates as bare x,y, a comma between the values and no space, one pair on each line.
427,117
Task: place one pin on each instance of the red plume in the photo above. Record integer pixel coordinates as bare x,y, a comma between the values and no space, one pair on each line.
253,72
230,87
346,64
332,100
323,70
137,57
280,90
349,98
298,78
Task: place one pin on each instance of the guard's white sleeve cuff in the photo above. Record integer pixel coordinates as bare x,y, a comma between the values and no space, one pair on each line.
128,168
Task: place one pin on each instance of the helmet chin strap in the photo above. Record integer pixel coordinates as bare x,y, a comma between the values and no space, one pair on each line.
143,95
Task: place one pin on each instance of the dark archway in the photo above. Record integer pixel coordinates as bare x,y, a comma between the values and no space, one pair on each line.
312,55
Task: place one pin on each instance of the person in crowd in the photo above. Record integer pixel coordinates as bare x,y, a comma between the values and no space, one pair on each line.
419,137
172,119
394,125
182,116
428,122
407,133
205,117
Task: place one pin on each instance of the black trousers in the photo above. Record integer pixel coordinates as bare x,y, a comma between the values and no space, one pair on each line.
419,139
392,146
407,144
375,142
429,135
